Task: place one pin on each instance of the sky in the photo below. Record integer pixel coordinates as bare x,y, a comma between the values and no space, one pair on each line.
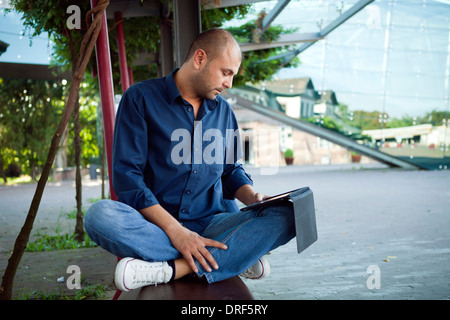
21,48
393,56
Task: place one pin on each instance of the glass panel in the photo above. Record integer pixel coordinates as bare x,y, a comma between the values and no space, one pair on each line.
389,64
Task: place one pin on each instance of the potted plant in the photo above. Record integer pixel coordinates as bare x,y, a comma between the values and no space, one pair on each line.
356,157
289,156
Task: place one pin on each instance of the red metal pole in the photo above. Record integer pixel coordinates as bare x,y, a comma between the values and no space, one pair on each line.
105,79
124,78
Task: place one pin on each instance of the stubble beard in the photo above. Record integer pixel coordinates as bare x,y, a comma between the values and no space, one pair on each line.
202,87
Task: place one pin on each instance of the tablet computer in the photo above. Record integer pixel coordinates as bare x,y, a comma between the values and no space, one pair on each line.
302,200
276,199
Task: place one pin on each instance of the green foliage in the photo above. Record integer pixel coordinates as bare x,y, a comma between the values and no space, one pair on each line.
289,153
50,16
142,36
58,242
95,292
29,114
331,124
436,118
214,18
371,120
89,135
89,292
73,214
325,122
247,33
256,65
41,295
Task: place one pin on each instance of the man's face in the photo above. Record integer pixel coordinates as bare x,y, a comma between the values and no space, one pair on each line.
218,74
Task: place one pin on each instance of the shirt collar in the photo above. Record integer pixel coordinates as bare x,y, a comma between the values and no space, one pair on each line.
172,89
173,92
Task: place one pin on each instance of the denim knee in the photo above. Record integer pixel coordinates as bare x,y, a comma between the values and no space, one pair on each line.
92,212
94,217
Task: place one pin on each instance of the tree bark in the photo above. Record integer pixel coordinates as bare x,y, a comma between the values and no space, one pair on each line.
79,227
87,46
103,168
2,172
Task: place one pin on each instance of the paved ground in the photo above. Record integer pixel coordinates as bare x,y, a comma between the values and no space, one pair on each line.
41,270
369,218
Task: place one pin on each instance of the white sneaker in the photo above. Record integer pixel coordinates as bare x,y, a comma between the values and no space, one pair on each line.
134,273
259,270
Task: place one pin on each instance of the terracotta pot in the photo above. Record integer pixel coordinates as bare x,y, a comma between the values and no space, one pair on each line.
289,161
356,157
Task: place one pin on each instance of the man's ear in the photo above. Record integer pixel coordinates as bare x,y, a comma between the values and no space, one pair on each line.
199,59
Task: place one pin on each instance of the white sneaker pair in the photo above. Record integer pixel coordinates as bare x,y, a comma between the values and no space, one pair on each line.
133,273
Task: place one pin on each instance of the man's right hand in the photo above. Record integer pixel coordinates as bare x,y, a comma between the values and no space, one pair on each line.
191,245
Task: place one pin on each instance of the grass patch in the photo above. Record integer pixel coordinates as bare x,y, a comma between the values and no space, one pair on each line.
92,292
16,180
58,242
73,214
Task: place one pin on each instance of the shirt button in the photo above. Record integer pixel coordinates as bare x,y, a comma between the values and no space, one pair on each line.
195,171
190,109
188,191
183,210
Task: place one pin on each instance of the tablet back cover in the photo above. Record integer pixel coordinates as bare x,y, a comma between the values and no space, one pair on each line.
305,219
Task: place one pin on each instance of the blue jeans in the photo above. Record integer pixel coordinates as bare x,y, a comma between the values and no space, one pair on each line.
249,235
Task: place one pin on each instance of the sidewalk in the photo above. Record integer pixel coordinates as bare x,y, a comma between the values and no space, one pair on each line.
395,220
390,220
41,270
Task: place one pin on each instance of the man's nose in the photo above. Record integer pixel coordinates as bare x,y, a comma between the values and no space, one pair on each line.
228,83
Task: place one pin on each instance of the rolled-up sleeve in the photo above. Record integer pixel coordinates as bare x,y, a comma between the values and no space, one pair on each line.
130,151
233,178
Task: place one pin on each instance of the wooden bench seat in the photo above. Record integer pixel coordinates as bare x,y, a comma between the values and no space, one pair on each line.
191,288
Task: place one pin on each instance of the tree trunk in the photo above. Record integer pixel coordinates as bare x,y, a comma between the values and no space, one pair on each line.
2,172
103,168
79,229
33,167
87,47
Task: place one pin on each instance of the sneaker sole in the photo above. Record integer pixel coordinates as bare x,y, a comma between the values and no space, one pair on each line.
265,266
120,272
265,271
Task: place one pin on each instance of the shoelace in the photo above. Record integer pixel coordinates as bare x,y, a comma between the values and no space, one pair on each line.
145,274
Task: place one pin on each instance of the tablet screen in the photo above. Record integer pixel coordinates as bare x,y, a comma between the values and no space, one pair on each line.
274,198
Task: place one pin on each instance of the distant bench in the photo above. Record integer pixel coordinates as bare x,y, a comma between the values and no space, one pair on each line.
191,288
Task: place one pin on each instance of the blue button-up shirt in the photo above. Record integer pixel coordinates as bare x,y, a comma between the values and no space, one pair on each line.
163,155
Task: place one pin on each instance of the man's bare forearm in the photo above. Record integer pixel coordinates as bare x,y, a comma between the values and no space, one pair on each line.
247,195
157,215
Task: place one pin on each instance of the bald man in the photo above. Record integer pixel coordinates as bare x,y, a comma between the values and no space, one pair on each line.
176,174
